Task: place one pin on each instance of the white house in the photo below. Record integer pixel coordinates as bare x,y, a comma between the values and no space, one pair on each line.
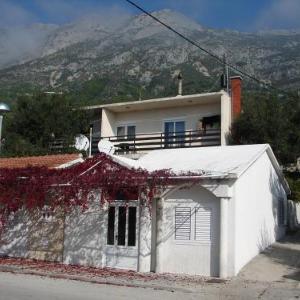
213,227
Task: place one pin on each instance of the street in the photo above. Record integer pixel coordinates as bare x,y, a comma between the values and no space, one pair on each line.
25,287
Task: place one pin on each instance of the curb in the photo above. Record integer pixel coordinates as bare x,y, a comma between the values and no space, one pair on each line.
21,270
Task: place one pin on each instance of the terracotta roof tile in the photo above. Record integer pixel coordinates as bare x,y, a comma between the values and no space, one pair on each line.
50,161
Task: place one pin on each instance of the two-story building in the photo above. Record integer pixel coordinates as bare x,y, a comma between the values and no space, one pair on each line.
187,121
210,226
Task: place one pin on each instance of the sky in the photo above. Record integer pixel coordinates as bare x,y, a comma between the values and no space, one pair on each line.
242,15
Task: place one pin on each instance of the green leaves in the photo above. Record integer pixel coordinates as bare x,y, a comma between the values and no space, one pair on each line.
268,119
36,120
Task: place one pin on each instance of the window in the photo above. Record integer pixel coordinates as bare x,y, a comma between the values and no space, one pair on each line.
121,225
193,224
131,226
111,226
203,224
174,133
126,131
182,223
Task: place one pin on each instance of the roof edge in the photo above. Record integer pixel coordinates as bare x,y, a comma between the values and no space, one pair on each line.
222,92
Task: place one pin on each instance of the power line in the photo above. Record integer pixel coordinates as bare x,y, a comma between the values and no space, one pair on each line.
216,57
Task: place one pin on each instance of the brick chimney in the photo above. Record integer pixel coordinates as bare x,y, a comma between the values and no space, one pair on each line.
236,96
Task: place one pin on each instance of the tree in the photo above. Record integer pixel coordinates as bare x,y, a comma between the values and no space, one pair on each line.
268,119
36,120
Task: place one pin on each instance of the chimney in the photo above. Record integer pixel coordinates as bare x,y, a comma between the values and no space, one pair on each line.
236,96
179,84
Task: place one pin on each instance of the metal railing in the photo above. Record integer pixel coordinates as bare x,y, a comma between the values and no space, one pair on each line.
153,141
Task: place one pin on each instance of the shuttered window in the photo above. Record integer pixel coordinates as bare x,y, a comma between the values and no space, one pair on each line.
182,223
203,225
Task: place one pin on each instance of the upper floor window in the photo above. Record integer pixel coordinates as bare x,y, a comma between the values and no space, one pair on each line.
126,131
174,133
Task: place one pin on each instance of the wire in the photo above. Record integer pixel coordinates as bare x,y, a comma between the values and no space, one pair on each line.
216,57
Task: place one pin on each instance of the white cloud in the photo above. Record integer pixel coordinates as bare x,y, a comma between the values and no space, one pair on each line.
281,14
196,9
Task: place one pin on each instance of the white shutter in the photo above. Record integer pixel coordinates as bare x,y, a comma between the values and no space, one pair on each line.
182,223
203,225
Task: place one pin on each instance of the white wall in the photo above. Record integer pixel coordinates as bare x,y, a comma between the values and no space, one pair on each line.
13,240
225,118
189,257
152,121
107,123
256,195
85,238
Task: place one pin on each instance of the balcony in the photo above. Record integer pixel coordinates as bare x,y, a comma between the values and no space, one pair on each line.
153,141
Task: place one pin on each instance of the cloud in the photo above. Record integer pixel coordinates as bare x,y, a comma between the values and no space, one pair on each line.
12,14
196,9
23,39
281,14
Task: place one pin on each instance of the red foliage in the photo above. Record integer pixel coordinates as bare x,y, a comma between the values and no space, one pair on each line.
34,187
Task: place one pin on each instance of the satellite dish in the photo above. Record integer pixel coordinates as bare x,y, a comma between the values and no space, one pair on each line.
107,147
82,142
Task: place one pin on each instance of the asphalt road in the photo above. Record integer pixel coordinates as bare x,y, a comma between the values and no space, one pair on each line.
25,287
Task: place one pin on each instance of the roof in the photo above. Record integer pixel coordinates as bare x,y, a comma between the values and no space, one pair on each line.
49,161
162,102
216,162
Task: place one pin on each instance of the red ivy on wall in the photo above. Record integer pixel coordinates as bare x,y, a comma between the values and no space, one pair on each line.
33,187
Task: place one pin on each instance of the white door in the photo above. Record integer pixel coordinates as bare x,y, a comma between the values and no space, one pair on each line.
188,233
121,249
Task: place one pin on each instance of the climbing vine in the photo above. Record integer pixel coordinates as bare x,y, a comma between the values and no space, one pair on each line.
34,187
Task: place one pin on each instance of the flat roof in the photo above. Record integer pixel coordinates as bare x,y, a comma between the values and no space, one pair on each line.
186,100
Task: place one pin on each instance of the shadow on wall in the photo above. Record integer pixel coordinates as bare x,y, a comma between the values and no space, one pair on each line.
45,236
287,250
271,230
13,241
84,237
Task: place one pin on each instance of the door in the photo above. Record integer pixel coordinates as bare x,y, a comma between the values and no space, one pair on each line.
121,240
188,235
174,134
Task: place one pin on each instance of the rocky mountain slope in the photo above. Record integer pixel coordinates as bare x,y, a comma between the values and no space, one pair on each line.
104,61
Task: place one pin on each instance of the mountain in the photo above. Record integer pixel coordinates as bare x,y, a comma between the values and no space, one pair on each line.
98,59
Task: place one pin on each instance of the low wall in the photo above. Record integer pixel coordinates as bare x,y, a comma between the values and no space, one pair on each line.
35,235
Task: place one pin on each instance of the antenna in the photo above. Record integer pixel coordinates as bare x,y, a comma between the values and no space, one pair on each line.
107,147
82,142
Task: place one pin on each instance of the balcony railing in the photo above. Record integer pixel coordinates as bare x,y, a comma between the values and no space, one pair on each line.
153,141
